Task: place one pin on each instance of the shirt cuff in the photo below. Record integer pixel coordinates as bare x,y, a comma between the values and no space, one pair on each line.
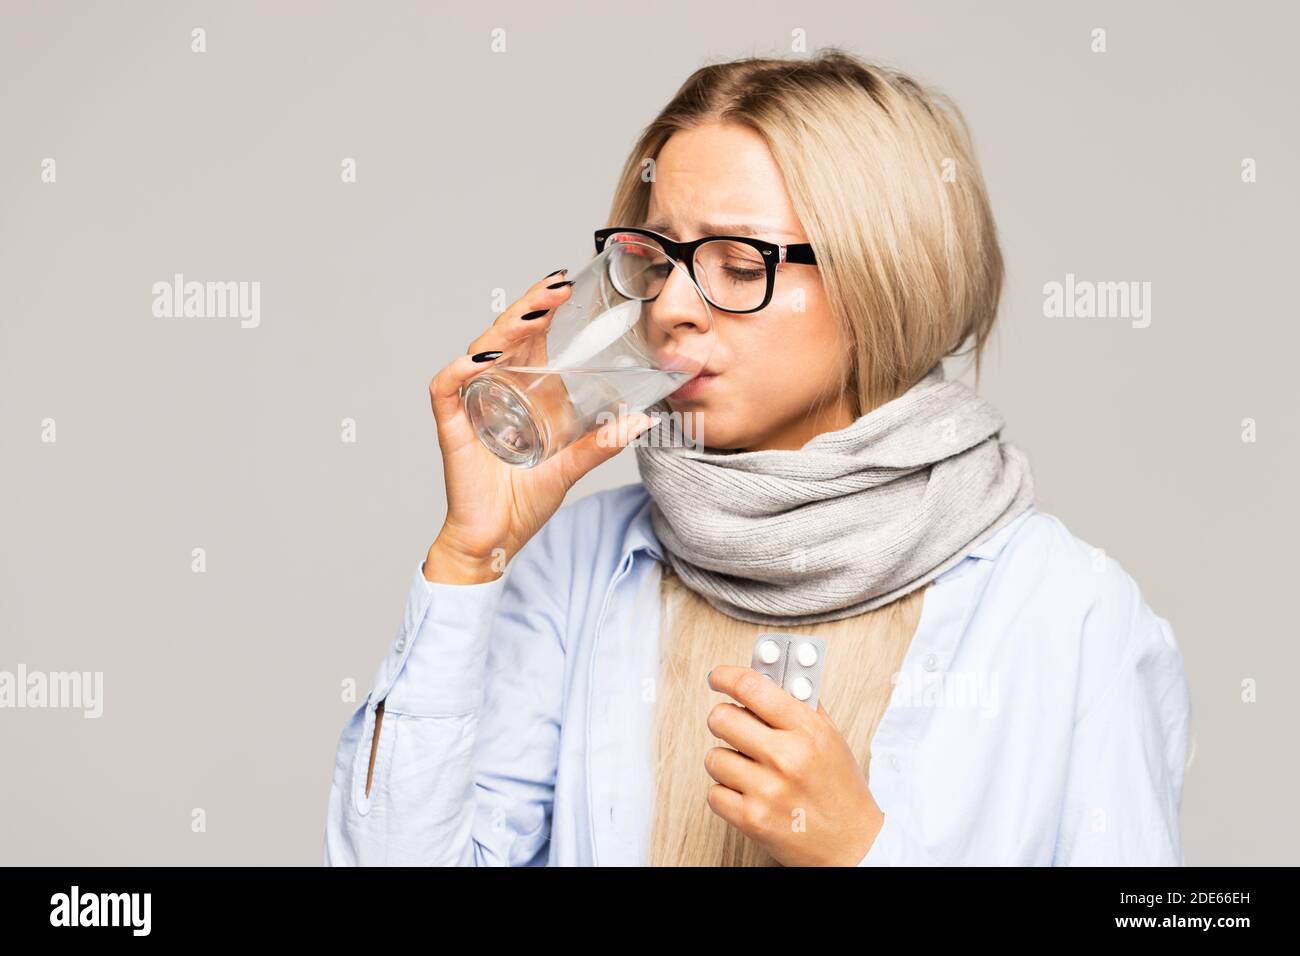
437,664
895,846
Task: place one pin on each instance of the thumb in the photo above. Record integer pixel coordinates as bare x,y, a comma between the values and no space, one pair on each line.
603,444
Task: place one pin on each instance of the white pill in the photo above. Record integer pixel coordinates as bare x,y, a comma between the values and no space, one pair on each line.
769,652
801,688
807,654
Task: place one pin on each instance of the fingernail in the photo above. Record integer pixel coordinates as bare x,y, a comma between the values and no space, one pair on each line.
534,315
486,356
557,272
560,285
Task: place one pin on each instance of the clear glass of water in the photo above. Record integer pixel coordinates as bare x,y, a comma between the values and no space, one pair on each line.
634,329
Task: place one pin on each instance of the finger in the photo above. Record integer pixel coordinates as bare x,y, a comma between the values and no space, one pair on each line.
444,390
601,445
745,732
727,803
527,316
733,769
762,695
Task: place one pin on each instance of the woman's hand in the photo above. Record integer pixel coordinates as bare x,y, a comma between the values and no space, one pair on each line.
792,783
494,508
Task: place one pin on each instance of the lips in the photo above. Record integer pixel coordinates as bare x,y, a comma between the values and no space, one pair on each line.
695,386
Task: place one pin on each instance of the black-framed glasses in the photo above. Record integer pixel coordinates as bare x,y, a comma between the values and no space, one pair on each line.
735,273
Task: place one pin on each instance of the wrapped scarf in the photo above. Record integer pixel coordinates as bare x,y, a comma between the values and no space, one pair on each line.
852,520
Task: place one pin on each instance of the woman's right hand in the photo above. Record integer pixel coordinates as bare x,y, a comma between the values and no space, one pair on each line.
494,508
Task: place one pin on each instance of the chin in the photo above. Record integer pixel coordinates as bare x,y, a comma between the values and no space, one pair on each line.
718,423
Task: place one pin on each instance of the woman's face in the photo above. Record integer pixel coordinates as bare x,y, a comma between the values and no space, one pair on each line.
768,369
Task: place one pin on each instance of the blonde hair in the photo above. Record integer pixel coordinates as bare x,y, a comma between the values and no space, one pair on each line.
882,175
863,654
881,172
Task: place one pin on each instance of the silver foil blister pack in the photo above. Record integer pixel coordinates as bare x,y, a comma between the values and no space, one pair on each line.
794,661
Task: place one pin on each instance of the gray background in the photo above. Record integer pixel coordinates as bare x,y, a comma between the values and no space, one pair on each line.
479,171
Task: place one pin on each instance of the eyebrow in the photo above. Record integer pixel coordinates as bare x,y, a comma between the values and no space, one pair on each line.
720,229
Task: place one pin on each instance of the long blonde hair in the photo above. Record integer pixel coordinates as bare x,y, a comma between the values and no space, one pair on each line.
882,175
862,655
881,172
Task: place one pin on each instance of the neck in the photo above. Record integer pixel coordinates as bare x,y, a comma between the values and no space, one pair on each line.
794,435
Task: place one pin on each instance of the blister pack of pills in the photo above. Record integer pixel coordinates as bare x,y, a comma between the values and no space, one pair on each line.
794,661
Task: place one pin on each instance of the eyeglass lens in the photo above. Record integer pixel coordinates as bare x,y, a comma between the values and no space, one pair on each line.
732,275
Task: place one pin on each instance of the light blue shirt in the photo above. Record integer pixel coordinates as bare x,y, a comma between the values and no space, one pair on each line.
1041,715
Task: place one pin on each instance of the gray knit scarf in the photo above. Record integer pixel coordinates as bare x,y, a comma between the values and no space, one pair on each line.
854,519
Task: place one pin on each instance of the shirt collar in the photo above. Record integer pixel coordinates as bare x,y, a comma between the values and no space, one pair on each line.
640,534
990,549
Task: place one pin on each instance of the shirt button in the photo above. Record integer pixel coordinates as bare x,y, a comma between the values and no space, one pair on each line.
895,762
401,644
931,662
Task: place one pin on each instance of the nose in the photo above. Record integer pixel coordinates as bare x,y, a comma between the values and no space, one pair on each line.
682,323
679,310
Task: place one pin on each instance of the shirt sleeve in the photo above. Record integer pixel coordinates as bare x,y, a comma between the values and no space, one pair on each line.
1127,759
464,767
896,846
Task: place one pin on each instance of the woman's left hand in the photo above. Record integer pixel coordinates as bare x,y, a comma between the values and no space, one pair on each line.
791,783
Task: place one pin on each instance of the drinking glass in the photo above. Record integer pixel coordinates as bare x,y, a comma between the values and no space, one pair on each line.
634,329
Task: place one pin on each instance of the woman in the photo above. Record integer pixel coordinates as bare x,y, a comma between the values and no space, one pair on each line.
572,686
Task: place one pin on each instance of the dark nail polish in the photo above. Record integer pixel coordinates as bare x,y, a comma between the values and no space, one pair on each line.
560,285
486,356
557,272
534,315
